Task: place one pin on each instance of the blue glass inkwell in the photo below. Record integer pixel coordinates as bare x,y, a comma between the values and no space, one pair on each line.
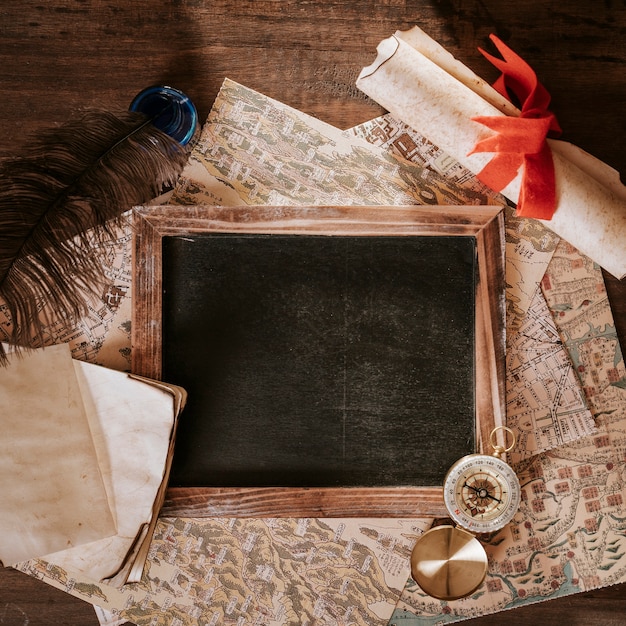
170,110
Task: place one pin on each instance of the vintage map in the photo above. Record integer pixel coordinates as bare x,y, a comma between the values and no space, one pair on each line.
545,404
102,336
267,572
529,244
575,292
255,150
569,533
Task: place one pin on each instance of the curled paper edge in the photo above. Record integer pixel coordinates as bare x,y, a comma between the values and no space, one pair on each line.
419,40
420,79
385,50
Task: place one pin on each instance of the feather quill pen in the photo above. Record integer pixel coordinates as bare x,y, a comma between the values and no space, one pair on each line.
59,203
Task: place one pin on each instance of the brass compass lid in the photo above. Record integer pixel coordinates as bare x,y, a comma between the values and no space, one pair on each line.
448,563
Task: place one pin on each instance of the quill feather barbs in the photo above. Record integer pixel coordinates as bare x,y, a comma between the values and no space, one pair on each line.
61,202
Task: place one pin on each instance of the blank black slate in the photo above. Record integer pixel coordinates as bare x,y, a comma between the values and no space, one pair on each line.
320,361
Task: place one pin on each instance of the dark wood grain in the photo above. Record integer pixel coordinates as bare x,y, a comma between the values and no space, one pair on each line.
59,56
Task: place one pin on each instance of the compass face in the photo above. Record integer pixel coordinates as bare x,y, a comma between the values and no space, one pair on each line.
481,493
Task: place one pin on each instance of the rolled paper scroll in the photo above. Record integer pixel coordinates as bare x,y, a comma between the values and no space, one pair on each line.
422,84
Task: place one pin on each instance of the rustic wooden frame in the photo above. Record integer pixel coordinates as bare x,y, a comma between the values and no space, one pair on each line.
484,223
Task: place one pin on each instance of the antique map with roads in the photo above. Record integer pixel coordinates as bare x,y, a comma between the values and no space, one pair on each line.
566,399
251,571
570,532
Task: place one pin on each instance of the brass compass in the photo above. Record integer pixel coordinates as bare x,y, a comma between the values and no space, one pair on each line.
482,494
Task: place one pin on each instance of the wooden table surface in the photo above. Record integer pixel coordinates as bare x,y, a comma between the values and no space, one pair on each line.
59,56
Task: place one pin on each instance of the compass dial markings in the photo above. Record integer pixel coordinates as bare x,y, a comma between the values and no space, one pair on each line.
481,492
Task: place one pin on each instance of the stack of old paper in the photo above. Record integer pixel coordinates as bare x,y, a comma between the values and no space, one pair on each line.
85,457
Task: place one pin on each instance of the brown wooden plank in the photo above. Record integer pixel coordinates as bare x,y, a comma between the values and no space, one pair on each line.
310,502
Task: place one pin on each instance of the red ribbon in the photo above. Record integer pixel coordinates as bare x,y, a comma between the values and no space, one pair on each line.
521,141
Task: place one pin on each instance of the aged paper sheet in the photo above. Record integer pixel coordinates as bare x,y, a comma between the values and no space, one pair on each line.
84,432
53,494
132,424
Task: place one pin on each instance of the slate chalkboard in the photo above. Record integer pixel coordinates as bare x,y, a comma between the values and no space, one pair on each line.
337,359
320,361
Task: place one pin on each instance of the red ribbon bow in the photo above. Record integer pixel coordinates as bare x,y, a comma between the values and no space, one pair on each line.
521,140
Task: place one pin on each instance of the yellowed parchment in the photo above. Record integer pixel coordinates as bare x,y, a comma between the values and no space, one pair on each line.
132,422
51,489
419,82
